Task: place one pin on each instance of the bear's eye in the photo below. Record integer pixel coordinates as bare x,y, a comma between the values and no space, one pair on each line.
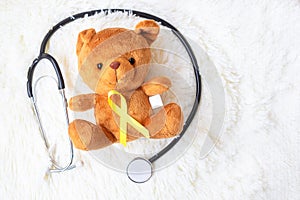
99,65
131,60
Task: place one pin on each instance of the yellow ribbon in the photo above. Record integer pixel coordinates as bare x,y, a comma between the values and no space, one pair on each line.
125,118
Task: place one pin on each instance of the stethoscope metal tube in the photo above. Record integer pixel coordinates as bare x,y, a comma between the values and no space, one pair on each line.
142,166
61,87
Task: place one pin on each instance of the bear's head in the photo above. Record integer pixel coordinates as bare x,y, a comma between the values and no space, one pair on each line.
115,58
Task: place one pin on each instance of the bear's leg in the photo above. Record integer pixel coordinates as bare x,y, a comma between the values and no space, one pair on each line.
166,123
88,136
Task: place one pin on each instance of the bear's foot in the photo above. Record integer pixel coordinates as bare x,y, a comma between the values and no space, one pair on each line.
166,123
88,136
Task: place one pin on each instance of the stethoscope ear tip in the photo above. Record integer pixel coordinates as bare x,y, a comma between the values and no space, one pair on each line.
79,164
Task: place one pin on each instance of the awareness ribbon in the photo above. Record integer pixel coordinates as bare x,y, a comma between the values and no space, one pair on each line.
125,118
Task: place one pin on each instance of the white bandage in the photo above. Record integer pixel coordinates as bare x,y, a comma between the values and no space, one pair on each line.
155,101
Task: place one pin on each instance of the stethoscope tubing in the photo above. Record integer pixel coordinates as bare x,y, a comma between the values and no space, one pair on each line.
61,85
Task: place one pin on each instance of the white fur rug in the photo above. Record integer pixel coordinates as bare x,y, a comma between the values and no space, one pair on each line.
255,47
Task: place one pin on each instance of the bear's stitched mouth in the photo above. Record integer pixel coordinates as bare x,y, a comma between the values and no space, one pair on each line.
128,81
116,76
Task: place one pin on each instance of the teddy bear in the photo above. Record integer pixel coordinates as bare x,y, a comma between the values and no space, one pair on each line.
119,59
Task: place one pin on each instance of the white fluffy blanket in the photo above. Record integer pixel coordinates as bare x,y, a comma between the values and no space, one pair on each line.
255,48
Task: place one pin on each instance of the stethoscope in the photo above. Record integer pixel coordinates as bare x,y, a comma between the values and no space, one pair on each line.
140,169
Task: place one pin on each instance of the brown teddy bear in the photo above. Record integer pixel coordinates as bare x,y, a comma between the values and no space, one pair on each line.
119,59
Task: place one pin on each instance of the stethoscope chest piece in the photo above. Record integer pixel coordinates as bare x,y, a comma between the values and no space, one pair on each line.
139,170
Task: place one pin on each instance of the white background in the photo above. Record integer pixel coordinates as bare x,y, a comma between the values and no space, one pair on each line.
255,46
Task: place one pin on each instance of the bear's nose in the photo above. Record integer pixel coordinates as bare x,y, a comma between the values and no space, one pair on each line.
114,65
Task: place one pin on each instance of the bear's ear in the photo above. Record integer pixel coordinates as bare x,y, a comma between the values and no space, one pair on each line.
84,37
149,29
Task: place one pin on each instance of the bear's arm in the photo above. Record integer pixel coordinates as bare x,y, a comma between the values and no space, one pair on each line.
157,85
83,102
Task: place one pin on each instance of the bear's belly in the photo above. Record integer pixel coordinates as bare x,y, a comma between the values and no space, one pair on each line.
138,107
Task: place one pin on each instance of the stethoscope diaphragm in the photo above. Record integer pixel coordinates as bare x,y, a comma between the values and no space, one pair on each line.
139,170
